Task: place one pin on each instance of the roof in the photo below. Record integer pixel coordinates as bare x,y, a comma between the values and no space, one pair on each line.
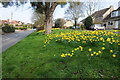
99,13
113,18
68,23
117,9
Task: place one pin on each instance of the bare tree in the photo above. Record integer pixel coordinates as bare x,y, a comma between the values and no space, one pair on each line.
90,7
38,20
74,11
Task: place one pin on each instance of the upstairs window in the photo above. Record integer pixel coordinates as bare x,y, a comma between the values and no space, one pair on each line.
119,13
113,14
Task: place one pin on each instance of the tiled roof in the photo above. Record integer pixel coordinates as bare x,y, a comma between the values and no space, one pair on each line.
99,13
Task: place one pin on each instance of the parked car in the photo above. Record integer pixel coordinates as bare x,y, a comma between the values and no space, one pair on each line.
97,27
76,27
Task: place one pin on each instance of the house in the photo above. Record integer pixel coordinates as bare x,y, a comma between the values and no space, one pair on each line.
68,24
112,21
5,21
14,22
99,16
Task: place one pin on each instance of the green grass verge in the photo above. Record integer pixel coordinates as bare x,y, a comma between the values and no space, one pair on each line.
30,59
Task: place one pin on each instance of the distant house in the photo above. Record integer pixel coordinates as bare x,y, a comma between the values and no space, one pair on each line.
14,22
68,23
112,21
5,21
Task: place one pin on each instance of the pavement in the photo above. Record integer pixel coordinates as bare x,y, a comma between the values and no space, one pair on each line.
9,39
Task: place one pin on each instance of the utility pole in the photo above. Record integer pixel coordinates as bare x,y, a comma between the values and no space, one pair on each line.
11,16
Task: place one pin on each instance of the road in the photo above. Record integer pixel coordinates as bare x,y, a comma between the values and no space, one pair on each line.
9,39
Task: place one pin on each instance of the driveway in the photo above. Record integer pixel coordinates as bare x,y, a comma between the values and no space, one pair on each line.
9,39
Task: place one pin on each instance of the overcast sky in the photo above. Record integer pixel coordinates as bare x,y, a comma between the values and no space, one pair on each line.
24,13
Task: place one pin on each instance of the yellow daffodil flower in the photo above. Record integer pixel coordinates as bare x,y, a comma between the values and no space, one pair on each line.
111,51
91,54
99,52
113,55
103,48
90,49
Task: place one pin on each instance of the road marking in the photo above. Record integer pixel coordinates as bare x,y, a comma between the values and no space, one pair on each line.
6,39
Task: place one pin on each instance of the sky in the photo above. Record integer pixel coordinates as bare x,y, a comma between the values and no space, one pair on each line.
24,13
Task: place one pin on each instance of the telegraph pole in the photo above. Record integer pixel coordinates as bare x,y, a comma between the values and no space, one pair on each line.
11,16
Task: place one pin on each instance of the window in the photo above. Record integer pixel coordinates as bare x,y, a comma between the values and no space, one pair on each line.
110,23
119,13
113,14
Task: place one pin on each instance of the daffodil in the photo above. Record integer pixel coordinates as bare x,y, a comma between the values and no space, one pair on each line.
90,49
91,54
113,55
62,55
94,52
103,48
108,39
111,51
72,53
75,49
72,50
99,52
44,45
68,54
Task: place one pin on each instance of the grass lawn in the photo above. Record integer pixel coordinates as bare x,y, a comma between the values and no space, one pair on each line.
32,58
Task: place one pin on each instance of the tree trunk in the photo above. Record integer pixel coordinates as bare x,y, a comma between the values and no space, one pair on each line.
48,26
75,23
48,19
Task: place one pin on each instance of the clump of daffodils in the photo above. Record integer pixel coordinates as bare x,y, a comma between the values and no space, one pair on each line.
105,38
66,55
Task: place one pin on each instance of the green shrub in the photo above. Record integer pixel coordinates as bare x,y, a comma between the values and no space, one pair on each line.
8,28
88,22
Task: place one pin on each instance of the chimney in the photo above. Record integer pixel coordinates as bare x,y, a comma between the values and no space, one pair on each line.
111,8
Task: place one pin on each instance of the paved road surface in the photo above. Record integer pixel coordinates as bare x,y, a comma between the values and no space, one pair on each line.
9,39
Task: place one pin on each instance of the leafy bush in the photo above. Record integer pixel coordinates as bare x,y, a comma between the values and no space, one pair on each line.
88,22
8,28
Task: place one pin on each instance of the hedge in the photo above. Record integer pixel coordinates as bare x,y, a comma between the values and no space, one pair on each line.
21,28
8,28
